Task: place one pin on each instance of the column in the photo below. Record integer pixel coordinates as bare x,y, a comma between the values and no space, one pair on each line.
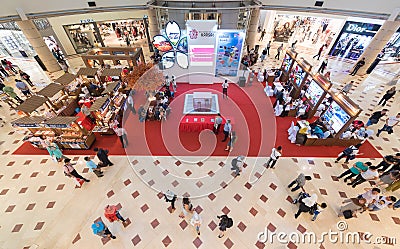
252,28
229,19
377,44
32,34
153,23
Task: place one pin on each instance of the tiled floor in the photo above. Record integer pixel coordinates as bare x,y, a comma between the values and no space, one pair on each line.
40,207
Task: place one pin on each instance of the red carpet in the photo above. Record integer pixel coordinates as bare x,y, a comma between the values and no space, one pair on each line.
253,120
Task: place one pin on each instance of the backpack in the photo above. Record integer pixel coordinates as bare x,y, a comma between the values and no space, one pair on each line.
229,222
348,151
234,162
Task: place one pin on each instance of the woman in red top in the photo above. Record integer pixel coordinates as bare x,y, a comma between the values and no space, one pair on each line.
112,214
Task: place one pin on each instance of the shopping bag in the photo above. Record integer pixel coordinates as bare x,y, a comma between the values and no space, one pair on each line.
78,182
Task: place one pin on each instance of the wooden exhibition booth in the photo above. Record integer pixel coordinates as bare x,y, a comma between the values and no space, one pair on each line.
132,55
287,64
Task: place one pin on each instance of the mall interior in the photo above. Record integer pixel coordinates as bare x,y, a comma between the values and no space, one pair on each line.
200,124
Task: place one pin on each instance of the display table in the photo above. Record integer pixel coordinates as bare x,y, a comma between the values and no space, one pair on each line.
195,123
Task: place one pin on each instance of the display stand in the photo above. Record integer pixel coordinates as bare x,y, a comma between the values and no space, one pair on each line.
104,111
316,92
66,80
287,64
298,75
34,125
71,135
32,104
336,119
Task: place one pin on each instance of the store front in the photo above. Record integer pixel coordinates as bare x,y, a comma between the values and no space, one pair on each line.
391,52
354,39
84,36
13,42
305,29
122,32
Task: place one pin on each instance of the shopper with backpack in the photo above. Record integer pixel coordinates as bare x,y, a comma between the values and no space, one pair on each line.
224,223
101,230
350,153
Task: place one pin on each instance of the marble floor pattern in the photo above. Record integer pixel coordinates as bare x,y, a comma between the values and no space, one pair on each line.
41,208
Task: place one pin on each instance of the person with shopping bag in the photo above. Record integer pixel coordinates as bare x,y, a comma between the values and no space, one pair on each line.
111,212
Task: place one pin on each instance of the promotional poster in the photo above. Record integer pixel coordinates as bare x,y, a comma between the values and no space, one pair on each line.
229,51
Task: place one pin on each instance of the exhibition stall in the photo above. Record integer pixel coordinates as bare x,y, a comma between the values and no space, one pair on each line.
298,74
316,91
62,130
287,64
32,104
338,116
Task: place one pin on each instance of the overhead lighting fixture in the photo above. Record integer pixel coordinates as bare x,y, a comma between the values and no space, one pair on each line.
193,4
165,4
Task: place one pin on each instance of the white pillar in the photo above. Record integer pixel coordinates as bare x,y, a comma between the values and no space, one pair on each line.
379,41
252,28
29,29
153,23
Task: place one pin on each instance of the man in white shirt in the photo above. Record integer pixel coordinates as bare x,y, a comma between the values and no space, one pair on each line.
369,175
275,154
121,133
227,129
217,123
225,86
371,195
391,122
130,104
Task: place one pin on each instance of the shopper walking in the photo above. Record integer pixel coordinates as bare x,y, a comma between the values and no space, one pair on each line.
130,104
10,92
318,210
237,164
370,175
268,47
300,181
391,122
324,64
170,196
275,154
278,51
262,35
196,221
224,223
10,66
356,169
350,153
263,54
306,205
112,213
102,155
227,129
217,123
23,88
346,89
122,135
100,229
225,86
231,142
26,77
93,167
357,67
375,117
388,95
70,171
55,152
187,208
319,52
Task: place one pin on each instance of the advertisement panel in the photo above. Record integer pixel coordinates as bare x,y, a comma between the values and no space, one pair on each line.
354,39
229,51
201,35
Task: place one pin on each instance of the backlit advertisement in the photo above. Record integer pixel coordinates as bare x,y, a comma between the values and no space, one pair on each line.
229,51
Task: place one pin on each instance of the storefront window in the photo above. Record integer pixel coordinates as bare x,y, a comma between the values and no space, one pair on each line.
391,52
122,32
353,39
14,43
83,36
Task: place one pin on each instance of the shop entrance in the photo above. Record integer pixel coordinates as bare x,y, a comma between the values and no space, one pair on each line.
84,36
119,33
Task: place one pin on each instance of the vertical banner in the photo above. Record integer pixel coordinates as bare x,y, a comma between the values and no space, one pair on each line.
229,52
201,36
